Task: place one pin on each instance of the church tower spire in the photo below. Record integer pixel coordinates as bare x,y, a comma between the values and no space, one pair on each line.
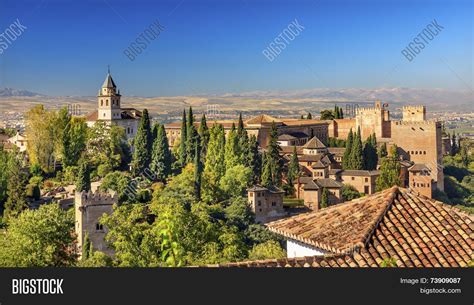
108,100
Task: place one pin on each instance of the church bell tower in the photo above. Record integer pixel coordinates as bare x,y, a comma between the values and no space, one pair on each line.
108,100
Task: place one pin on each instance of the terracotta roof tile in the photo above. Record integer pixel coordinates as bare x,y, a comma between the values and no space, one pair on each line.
414,230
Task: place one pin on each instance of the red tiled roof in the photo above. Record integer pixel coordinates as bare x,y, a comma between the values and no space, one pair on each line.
92,116
396,223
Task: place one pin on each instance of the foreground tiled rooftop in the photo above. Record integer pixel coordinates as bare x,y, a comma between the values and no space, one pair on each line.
396,223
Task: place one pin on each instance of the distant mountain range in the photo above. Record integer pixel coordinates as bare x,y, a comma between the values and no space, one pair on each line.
9,92
394,95
435,98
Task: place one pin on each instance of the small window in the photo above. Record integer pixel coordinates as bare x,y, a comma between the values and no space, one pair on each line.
259,203
274,204
366,179
259,210
99,227
352,178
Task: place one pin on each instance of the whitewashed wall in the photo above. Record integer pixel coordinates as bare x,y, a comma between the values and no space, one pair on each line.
298,249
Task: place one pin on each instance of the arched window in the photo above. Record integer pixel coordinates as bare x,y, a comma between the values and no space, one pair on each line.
106,102
102,102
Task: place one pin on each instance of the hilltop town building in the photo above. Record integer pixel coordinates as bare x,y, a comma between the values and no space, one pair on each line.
266,203
418,140
19,140
110,109
290,131
89,208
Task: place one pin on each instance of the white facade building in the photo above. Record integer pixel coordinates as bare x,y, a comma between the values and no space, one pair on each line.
296,248
109,109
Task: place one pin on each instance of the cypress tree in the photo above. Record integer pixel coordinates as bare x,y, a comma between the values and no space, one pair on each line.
454,147
309,116
357,161
214,168
154,134
266,179
204,135
182,144
370,153
324,198
302,117
254,161
293,168
346,159
197,170
161,155
83,182
191,135
16,190
215,159
382,152
341,113
231,149
389,171
243,139
336,112
86,247
273,150
142,145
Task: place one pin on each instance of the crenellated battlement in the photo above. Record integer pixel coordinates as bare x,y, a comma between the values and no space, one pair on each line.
97,198
417,123
362,110
414,108
414,113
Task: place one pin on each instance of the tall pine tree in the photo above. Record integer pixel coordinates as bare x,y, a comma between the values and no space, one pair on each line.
191,134
204,135
142,145
324,198
293,169
83,180
197,170
382,152
273,151
161,155
232,149
266,178
16,190
370,153
346,158
243,138
183,142
214,168
254,160
389,171
357,162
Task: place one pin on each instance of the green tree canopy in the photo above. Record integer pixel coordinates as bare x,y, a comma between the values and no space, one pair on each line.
161,158
142,146
39,238
347,159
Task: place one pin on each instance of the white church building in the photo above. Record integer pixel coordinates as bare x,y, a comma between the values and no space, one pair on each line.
110,109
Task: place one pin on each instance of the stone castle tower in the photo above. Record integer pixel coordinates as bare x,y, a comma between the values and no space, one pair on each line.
373,120
89,208
108,101
414,113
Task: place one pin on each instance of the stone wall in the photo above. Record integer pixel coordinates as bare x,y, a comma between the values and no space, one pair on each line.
89,208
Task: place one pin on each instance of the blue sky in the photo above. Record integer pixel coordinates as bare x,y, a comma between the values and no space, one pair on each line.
215,47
